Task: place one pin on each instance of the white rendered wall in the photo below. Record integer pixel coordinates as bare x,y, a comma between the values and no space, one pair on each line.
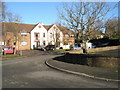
52,37
41,38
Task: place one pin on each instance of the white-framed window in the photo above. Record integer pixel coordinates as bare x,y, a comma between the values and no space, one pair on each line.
36,35
23,34
51,35
43,34
2,43
23,43
44,43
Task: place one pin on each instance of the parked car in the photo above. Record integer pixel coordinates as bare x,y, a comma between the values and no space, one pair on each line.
93,46
40,48
102,44
49,47
77,48
8,50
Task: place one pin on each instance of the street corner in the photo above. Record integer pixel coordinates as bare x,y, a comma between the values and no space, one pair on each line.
61,67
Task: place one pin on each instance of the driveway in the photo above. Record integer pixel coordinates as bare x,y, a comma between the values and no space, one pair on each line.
31,72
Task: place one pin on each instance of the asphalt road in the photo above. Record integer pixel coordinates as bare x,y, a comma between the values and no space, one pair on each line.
31,72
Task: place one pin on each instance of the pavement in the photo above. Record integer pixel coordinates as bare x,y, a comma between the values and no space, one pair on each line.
82,70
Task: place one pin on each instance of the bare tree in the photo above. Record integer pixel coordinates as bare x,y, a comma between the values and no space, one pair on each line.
56,38
3,16
57,41
112,28
83,17
3,11
14,21
0,18
16,31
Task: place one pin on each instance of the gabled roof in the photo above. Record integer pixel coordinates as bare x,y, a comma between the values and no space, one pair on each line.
27,27
10,27
65,30
47,27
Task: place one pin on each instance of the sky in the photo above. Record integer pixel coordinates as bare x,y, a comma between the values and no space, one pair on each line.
38,12
35,12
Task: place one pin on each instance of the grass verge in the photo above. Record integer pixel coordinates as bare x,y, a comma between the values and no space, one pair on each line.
10,56
59,50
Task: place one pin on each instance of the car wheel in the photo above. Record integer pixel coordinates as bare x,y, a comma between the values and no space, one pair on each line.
61,47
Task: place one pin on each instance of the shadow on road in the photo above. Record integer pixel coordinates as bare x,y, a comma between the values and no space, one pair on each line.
102,59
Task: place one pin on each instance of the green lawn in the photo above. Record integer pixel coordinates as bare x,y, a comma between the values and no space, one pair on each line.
10,56
59,50
109,51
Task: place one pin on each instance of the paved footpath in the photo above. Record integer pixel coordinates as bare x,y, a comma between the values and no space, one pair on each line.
92,72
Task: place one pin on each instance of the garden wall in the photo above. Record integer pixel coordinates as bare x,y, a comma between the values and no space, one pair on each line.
93,60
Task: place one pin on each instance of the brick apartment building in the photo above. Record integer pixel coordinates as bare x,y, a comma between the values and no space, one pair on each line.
27,36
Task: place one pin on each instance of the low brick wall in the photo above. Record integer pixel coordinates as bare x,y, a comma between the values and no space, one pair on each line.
92,60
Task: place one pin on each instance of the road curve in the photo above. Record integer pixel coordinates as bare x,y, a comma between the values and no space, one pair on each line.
31,72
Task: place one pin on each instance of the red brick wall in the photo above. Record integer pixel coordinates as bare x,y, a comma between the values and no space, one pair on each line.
18,40
69,39
24,42
93,60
